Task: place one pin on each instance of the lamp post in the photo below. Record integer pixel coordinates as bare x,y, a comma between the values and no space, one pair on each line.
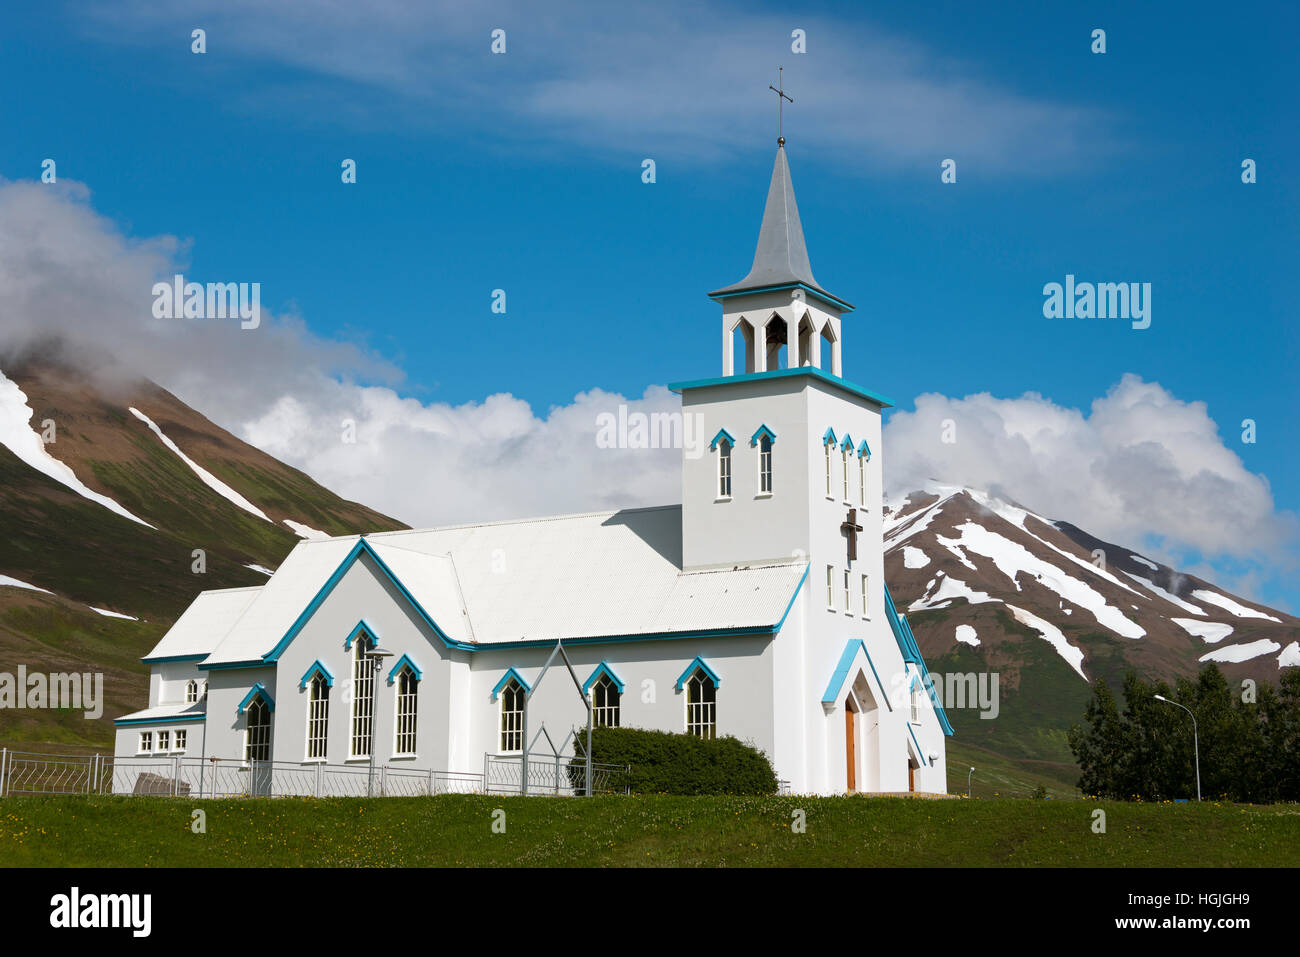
374,656
1196,744
968,777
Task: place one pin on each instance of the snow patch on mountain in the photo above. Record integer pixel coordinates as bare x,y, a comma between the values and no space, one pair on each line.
15,583
1239,653
914,557
967,635
1053,636
18,436
1151,565
111,614
1241,611
1012,558
210,480
950,589
1168,595
305,531
1211,631
1290,656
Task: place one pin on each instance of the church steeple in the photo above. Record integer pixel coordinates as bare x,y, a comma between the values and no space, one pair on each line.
783,316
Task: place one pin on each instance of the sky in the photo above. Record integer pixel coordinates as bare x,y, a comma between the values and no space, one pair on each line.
522,171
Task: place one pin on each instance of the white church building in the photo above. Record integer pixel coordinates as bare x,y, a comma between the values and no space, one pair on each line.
756,608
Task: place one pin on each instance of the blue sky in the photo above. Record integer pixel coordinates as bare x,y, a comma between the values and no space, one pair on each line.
522,172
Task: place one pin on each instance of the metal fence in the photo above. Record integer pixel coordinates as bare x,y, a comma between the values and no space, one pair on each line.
23,772
26,772
551,774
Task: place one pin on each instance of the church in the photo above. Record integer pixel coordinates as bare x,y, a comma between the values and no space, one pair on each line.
756,608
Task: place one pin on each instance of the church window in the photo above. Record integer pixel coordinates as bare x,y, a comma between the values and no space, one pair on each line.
363,700
257,733
701,705
848,593
844,456
146,742
916,706
318,716
830,586
408,686
862,480
605,703
724,469
164,742
827,446
191,691
512,716
765,466
178,741
866,606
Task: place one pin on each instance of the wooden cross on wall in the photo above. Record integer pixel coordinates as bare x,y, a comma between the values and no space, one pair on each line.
850,527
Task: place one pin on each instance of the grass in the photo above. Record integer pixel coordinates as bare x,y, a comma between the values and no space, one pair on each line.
456,830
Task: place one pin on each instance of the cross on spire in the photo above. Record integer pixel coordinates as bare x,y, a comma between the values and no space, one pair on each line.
781,96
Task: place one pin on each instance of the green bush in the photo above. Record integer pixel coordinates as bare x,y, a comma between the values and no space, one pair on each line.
664,763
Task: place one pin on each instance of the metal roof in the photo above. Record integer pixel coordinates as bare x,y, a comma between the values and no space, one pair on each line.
781,257
204,623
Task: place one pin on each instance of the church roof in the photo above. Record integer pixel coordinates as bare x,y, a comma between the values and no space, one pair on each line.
781,257
600,576
204,623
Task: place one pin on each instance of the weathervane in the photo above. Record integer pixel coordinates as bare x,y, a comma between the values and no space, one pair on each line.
779,90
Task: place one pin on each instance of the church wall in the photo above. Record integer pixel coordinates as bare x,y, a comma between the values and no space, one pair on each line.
225,726
649,670
364,593
168,679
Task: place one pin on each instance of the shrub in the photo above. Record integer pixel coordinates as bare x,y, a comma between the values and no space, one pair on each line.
665,763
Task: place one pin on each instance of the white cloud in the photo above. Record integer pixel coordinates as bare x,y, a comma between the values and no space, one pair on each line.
677,78
1141,463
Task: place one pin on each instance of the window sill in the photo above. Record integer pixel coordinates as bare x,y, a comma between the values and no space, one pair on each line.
722,498
316,761
763,495
404,757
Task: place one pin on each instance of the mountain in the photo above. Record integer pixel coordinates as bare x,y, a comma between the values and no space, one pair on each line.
99,530
989,586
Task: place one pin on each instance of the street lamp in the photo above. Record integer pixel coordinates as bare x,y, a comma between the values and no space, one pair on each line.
374,656
1196,745
968,777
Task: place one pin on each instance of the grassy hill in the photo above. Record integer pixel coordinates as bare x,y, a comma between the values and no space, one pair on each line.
655,831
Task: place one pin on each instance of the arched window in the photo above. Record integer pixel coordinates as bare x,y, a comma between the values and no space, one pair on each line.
724,469
257,731
408,686
318,715
191,691
363,699
605,701
862,480
512,716
844,456
701,705
828,443
765,466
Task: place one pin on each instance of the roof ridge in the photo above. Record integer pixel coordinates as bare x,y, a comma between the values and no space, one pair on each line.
517,521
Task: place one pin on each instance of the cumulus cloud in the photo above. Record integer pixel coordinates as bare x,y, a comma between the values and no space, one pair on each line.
1141,465
667,76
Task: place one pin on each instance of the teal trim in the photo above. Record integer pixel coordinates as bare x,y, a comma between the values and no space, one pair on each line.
841,673
361,626
847,443
603,669
912,652
828,437
406,661
254,692
835,301
762,431
163,659
232,665
919,752
505,680
811,372
316,666
722,434
178,719
702,665
361,547
864,449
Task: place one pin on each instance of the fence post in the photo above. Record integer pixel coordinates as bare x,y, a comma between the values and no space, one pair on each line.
90,770
4,764
383,781
430,782
317,791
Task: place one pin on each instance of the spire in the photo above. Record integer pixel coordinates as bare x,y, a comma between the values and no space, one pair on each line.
781,258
